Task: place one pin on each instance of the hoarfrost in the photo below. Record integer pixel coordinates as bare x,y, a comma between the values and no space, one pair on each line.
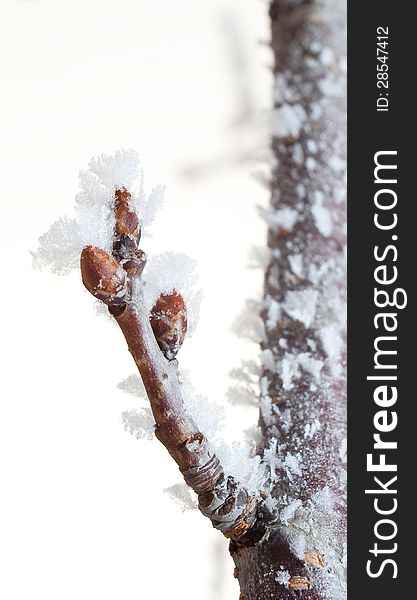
293,465
248,323
61,246
237,461
246,388
310,364
300,190
296,264
283,577
316,112
133,385
326,56
288,120
311,164
288,512
298,154
273,313
117,170
286,419
322,216
270,459
301,305
332,344
139,422
267,358
289,370
311,429
312,146
167,272
330,87
149,207
338,164
279,89
207,414
343,451
284,218
312,344
183,496
339,195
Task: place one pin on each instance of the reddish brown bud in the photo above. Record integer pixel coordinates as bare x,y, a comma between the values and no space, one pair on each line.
103,276
126,219
122,196
169,323
135,265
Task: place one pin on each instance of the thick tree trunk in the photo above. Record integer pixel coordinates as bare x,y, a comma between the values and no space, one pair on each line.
303,390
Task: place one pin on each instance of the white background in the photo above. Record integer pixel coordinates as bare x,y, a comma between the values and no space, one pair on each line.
187,83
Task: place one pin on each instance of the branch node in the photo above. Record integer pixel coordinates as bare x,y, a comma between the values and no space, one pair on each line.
203,478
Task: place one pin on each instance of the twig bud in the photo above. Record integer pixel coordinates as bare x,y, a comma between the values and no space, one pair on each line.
127,221
103,277
169,323
135,264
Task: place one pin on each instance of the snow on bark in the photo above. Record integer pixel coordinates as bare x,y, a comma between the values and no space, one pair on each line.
303,387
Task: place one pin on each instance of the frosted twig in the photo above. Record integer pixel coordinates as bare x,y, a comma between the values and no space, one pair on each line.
153,340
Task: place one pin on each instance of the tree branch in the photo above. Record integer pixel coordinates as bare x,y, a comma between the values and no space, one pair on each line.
153,340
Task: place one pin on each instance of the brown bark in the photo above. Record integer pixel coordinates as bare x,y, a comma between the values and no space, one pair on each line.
303,415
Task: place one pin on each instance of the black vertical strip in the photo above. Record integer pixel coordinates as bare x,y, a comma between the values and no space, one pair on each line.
371,131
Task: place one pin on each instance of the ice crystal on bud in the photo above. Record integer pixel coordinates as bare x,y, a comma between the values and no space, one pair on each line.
117,170
94,222
168,271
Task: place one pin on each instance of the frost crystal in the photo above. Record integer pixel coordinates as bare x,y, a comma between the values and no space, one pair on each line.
311,429
284,218
293,465
322,216
343,450
296,264
133,385
60,247
166,272
288,120
271,460
268,359
288,512
274,311
289,368
139,422
301,305
283,577
183,496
